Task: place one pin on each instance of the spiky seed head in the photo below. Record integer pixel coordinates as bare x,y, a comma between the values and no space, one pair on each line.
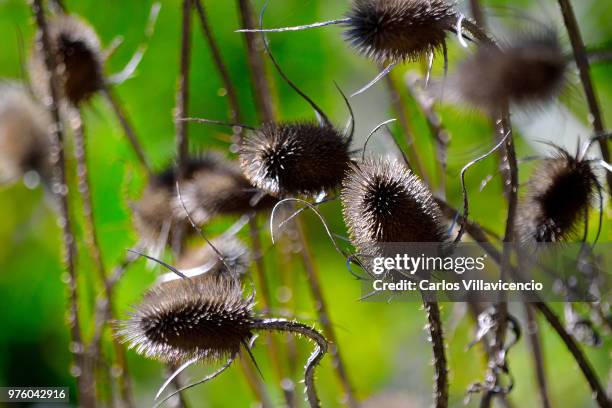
295,158
216,186
528,70
80,63
399,30
203,318
235,254
24,134
383,201
559,192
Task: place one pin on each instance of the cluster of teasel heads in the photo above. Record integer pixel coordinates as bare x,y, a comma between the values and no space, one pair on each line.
198,312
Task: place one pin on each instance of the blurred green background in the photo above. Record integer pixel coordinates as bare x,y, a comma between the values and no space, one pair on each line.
384,344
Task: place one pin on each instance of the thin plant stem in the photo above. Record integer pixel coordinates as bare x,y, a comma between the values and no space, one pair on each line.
91,238
82,369
434,326
182,93
533,335
128,129
232,95
582,61
258,388
478,234
477,13
314,282
261,88
177,382
400,110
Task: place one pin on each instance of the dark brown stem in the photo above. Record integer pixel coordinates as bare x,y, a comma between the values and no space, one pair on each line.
127,128
400,110
477,13
313,279
440,366
232,95
261,88
533,334
82,368
315,358
182,94
582,61
91,238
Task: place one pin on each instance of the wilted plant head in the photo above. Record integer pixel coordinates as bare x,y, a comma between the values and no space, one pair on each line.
399,30
216,186
78,57
24,135
530,69
295,158
559,194
383,201
204,318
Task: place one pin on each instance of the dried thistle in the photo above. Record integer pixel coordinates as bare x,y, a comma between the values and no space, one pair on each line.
559,194
383,201
24,136
76,47
529,70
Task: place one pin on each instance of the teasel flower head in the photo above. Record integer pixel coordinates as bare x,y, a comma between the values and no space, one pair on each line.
204,318
216,186
304,158
383,201
399,30
79,58
24,137
559,194
529,70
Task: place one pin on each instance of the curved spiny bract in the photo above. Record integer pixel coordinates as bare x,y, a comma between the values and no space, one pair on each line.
24,135
295,158
79,58
315,358
216,186
529,70
559,194
203,318
399,30
383,201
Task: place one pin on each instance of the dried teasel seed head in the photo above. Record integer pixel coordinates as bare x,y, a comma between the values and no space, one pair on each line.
528,70
295,158
216,186
203,259
399,30
24,135
383,201
80,63
202,318
559,192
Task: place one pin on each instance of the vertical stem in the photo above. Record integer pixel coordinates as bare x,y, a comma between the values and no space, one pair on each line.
261,88
533,334
178,383
182,94
400,110
232,95
440,366
312,275
91,238
254,381
477,13
582,61
82,367
127,128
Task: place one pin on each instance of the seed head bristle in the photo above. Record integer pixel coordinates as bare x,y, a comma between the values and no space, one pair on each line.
24,134
559,192
295,158
79,60
216,186
204,318
385,202
528,70
399,30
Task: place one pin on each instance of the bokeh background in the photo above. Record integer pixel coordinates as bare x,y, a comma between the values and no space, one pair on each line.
384,344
